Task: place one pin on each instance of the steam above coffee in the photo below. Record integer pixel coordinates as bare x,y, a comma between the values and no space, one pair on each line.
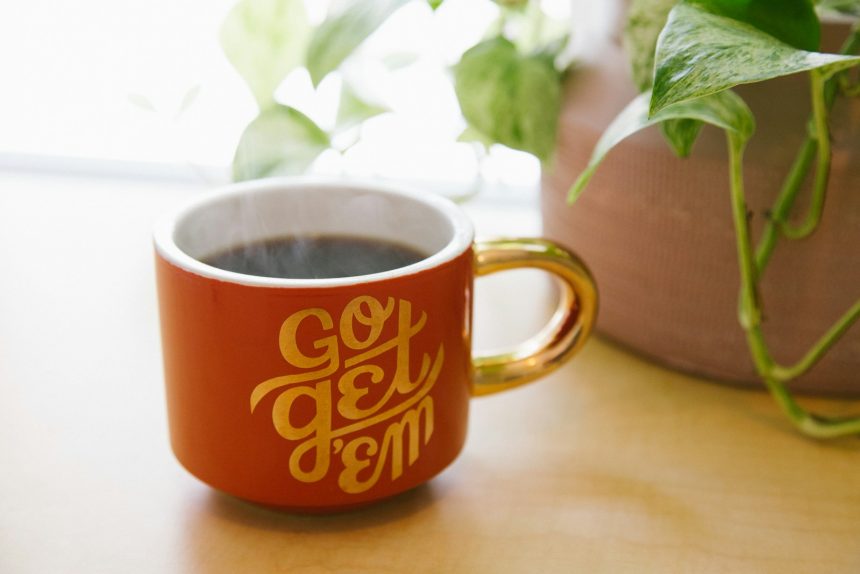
315,257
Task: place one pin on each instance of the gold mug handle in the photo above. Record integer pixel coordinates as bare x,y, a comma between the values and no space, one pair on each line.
563,335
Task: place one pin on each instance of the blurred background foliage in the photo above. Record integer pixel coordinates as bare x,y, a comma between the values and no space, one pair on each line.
507,84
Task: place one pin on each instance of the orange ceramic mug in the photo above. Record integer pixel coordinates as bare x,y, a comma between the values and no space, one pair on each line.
326,394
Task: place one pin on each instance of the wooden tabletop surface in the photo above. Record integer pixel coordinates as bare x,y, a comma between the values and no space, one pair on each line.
611,464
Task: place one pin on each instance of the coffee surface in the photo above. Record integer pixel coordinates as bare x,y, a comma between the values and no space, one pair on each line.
315,257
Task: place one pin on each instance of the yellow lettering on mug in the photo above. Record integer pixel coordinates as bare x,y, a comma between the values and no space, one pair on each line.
405,331
328,360
374,318
356,461
351,393
318,428
287,339
404,409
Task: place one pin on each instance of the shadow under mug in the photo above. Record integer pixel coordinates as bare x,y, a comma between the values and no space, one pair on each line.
327,394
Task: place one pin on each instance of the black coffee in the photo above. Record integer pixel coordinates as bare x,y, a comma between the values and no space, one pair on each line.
315,257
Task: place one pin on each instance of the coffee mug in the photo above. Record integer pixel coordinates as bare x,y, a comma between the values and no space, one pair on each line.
327,394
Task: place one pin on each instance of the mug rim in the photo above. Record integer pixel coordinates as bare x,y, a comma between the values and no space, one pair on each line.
166,226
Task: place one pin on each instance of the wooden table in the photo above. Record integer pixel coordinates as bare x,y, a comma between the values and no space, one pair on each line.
612,464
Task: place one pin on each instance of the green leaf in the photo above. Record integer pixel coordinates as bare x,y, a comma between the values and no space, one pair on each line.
645,19
725,110
265,40
681,134
701,53
281,140
434,3
471,135
353,109
538,32
188,99
512,3
511,98
793,22
348,24
142,102
398,60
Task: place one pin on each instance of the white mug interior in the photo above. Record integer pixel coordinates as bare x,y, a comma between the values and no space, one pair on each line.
288,207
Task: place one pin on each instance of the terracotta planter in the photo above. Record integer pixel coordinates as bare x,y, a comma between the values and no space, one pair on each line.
657,232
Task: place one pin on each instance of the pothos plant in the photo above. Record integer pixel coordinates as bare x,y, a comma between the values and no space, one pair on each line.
689,55
508,84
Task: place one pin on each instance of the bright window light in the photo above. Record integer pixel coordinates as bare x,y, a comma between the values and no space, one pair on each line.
145,82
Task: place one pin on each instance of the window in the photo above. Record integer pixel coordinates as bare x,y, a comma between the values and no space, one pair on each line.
141,87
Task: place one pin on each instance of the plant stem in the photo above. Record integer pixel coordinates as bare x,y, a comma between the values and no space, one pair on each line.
822,170
784,203
808,423
850,46
799,169
820,348
497,28
852,43
847,87
535,19
749,311
772,373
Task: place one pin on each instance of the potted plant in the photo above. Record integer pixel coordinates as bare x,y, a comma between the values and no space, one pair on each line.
689,55
705,49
